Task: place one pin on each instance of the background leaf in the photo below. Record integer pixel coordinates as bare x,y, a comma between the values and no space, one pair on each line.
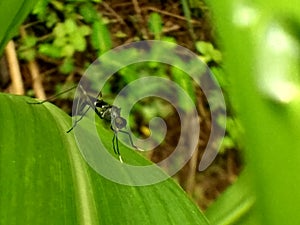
258,37
235,205
12,13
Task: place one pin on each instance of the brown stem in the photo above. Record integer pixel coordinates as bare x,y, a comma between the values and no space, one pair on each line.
14,69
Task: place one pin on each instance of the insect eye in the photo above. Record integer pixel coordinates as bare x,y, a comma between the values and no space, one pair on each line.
99,103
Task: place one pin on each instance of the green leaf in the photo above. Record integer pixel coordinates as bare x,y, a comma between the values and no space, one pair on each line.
84,30
89,12
50,50
40,9
262,45
51,20
12,12
58,5
70,26
59,30
185,82
67,66
45,180
27,50
28,54
235,205
209,52
29,41
155,24
78,41
100,37
204,47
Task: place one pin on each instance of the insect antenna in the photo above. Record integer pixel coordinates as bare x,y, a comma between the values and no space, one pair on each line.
54,96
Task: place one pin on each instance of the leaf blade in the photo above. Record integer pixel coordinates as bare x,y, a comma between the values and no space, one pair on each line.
52,184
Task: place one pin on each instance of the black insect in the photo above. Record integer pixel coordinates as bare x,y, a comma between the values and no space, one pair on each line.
105,111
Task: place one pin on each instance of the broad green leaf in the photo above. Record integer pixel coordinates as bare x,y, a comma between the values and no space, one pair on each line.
12,12
45,180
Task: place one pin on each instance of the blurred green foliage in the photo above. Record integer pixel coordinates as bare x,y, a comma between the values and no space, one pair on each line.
261,43
74,27
13,15
71,27
155,25
208,52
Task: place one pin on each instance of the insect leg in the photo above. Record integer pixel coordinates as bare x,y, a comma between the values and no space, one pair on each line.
76,121
130,139
90,104
115,142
